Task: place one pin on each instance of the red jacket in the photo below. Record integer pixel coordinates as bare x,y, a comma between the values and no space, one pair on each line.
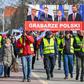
26,48
38,43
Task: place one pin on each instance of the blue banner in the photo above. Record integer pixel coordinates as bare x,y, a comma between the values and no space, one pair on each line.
81,10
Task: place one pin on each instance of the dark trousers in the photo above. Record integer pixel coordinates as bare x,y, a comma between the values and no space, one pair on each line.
6,71
49,63
33,61
82,69
59,59
79,65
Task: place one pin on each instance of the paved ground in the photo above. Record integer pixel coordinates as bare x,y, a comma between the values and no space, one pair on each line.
39,77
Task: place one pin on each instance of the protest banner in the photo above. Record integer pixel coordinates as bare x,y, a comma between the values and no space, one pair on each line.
53,26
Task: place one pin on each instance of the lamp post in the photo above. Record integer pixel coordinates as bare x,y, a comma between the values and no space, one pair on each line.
2,15
3,20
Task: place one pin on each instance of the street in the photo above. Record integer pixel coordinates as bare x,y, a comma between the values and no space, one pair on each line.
39,76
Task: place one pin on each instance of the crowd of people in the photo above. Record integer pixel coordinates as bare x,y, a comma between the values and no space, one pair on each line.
66,45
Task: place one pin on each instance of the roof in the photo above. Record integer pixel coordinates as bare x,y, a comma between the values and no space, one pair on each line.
9,11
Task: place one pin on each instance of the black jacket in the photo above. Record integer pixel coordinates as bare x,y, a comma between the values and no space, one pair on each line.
30,19
43,18
56,19
67,46
78,17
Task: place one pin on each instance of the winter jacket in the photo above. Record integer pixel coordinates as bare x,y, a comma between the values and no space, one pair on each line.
26,49
8,55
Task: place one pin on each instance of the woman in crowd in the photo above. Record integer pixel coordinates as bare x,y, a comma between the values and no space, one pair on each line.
8,57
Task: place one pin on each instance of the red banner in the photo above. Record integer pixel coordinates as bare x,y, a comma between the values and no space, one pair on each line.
53,26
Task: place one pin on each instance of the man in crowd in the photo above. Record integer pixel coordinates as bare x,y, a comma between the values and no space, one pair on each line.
75,16
33,17
25,43
59,18
1,44
79,52
68,51
49,51
60,48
